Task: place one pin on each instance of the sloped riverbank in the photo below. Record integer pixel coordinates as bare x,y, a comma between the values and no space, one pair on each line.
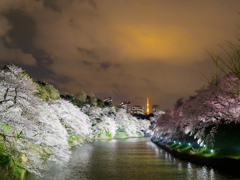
189,155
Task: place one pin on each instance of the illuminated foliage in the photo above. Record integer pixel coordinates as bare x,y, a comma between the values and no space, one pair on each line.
209,108
81,96
24,121
46,91
33,131
100,102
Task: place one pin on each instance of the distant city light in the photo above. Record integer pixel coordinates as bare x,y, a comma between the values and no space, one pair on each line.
147,106
189,144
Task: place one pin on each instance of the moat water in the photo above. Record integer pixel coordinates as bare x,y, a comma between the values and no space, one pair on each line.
129,159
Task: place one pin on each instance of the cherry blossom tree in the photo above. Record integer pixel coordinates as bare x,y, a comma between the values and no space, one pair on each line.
33,131
208,108
130,124
76,123
24,123
107,121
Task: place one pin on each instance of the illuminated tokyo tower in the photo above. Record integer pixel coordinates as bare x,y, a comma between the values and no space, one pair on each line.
147,106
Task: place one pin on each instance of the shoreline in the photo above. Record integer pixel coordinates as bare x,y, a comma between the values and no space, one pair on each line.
220,163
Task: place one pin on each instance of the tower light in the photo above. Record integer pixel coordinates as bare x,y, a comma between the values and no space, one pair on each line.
147,106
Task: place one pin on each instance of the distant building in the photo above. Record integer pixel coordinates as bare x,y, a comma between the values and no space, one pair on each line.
155,108
125,105
136,109
109,99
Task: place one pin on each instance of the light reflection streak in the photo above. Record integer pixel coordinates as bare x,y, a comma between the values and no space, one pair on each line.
192,172
212,174
180,166
166,155
202,173
189,171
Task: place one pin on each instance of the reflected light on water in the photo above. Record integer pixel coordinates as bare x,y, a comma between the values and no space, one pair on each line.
180,166
166,155
189,170
212,174
137,159
202,173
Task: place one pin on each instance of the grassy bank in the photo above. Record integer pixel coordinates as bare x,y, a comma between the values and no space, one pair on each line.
9,169
226,141
201,155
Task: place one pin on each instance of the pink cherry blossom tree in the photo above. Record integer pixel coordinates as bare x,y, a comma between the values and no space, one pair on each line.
209,107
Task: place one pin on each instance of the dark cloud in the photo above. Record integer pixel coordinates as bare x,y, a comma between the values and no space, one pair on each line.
92,3
100,66
105,65
129,50
87,52
23,29
51,4
22,35
87,63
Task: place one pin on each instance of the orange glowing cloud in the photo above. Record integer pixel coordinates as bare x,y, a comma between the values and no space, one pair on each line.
146,42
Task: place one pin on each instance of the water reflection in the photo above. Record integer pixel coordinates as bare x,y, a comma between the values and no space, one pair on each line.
190,171
136,158
203,173
180,166
211,174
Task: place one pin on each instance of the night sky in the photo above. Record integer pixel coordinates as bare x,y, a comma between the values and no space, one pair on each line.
126,49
